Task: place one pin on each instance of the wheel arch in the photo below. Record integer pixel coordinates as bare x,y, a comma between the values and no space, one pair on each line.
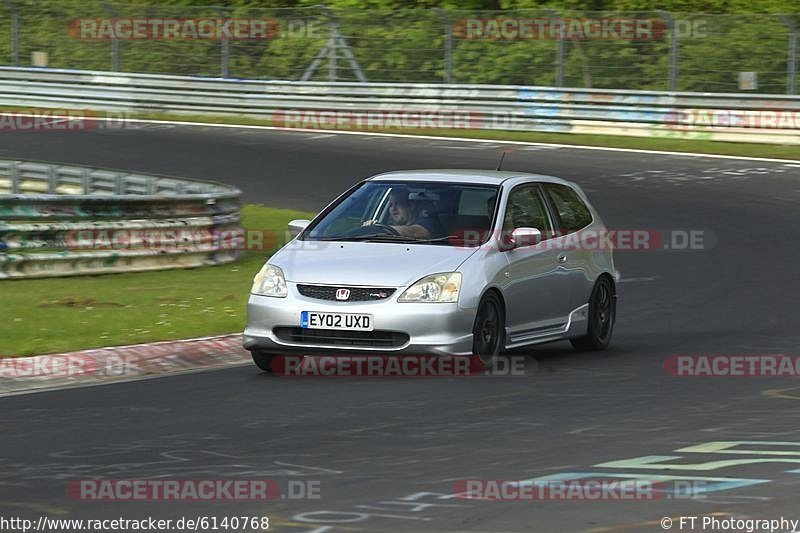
503,308
499,295
610,278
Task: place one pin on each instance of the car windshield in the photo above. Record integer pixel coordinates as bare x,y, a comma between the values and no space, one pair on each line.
403,212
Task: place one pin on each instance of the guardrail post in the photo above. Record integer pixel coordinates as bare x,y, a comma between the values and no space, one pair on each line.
333,51
561,45
224,46
114,39
791,68
15,38
14,32
52,180
13,172
225,57
87,182
448,45
674,47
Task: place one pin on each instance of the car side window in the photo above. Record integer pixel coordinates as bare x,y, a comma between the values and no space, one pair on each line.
572,211
526,208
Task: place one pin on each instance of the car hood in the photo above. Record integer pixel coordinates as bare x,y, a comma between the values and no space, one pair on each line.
365,263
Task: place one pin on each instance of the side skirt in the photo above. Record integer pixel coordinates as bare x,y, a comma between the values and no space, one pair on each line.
575,326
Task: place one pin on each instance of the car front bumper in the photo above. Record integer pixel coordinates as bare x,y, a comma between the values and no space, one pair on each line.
432,328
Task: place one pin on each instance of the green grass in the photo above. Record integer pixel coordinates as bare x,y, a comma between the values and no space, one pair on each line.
64,314
663,143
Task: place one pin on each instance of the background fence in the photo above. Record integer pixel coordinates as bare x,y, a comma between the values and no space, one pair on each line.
688,52
60,220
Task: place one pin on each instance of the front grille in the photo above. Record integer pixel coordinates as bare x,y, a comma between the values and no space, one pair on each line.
335,337
357,294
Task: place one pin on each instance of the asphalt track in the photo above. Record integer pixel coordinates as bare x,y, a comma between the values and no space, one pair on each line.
387,451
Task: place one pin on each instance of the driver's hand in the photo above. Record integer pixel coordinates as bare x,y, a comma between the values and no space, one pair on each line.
368,223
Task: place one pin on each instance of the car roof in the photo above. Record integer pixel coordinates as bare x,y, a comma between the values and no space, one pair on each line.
481,177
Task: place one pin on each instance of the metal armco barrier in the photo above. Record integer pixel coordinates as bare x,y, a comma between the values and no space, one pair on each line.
58,220
708,116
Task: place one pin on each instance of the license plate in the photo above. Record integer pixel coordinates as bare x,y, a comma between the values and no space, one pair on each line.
345,321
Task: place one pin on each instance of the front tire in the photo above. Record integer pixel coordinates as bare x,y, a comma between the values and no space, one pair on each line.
488,333
263,361
602,316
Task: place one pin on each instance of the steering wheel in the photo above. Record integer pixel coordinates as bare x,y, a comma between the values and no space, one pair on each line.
386,228
371,229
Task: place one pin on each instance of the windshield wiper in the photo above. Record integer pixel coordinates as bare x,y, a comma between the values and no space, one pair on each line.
387,237
372,237
437,239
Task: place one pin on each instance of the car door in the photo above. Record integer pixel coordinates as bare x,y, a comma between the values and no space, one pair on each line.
572,217
536,291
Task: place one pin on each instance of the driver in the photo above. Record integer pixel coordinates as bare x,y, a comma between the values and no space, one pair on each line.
407,219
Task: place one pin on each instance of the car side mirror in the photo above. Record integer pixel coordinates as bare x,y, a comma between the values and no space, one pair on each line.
296,226
522,237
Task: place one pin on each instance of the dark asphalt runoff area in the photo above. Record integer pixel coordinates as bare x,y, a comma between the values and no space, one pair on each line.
387,452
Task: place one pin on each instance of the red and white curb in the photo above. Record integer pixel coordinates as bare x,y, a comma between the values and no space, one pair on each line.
20,375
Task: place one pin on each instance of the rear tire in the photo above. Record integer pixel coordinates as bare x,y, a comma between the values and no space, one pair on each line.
488,333
602,316
263,361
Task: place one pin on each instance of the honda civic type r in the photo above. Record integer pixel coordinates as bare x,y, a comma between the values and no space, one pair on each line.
437,262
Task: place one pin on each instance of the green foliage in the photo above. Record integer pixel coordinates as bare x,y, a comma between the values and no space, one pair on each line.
405,41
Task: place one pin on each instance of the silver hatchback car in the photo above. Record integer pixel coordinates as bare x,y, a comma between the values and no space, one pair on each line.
447,262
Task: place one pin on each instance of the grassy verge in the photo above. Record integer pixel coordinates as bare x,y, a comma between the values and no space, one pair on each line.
64,314
667,142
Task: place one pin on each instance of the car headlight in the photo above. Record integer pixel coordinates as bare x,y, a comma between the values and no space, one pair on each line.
434,288
270,282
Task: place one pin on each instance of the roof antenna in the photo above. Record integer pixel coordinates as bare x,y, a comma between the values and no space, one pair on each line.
502,156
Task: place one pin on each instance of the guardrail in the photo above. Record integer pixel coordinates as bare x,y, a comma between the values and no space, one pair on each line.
709,116
59,220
